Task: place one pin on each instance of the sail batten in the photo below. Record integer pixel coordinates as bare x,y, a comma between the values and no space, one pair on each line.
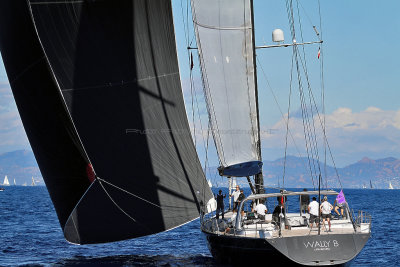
224,32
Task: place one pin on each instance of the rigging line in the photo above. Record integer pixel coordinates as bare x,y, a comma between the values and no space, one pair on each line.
129,193
192,85
206,161
193,111
304,65
121,209
207,96
305,12
280,110
210,112
312,135
322,86
185,24
288,117
325,137
304,111
189,55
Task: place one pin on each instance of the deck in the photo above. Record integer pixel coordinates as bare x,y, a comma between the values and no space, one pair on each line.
296,225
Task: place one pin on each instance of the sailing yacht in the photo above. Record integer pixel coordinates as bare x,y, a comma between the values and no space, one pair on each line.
33,182
390,185
225,35
6,182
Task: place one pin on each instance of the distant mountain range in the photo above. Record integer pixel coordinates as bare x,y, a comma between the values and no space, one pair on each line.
357,175
21,165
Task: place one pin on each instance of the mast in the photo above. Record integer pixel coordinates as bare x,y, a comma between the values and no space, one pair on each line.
258,178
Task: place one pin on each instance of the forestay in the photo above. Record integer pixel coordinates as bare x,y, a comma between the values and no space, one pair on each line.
225,44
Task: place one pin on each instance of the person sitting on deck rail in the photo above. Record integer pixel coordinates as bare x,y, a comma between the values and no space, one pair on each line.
313,211
340,203
326,208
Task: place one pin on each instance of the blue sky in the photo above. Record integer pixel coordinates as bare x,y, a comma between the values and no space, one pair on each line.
361,79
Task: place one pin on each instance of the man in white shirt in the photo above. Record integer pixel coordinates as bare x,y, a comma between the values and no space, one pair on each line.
326,208
261,210
313,210
235,198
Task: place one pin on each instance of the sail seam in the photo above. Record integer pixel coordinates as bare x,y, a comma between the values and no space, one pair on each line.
122,82
57,2
26,69
221,28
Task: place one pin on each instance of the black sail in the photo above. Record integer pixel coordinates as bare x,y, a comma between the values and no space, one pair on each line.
98,89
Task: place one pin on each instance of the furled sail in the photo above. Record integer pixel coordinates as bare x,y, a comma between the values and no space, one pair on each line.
98,89
225,43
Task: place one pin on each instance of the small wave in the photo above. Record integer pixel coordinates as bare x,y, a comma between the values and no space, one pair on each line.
140,260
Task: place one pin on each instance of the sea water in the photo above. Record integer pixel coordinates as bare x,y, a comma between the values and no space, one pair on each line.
30,235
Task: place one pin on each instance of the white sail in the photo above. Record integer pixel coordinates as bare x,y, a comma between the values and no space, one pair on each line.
225,44
390,185
209,183
6,182
33,182
15,182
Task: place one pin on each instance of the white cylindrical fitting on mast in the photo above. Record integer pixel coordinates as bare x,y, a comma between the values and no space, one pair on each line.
277,36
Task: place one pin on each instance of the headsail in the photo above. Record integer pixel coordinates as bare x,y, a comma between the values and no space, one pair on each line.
226,47
98,89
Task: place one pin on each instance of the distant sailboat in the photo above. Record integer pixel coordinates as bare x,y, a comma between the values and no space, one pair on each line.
209,183
15,182
370,183
24,184
33,182
390,185
6,182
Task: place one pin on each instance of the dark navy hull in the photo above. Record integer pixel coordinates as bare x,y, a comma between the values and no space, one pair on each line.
288,251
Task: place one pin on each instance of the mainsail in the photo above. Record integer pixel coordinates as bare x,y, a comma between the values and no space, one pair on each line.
6,182
226,49
98,90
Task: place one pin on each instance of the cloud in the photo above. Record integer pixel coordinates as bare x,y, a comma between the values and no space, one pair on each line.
372,132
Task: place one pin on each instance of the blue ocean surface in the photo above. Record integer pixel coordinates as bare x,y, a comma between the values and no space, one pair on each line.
30,235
